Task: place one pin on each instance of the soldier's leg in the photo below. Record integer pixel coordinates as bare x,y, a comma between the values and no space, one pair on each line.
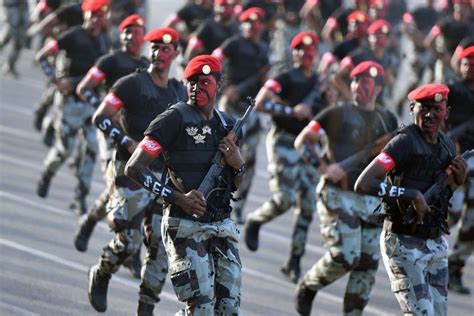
45,104
464,245
305,207
362,277
85,167
65,139
19,37
228,268
155,266
283,185
190,263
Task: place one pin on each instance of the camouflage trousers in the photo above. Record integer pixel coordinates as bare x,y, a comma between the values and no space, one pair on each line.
126,209
15,30
352,242
248,149
463,203
293,184
74,119
418,272
205,266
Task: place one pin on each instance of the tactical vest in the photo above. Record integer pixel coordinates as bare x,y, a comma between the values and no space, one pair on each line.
189,158
427,163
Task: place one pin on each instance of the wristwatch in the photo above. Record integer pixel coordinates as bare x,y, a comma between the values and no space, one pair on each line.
241,171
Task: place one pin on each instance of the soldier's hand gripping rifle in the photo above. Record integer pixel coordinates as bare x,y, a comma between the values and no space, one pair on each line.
207,185
409,216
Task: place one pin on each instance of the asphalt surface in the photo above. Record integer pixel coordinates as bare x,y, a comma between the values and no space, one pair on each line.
41,273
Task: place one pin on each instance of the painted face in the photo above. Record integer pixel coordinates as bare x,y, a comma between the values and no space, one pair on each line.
356,29
378,40
304,55
252,29
95,20
225,10
132,38
202,89
363,89
162,55
466,69
429,117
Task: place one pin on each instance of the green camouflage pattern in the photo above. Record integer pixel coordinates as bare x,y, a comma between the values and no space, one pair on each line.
352,242
205,266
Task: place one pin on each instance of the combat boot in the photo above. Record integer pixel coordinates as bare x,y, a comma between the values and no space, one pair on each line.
86,227
134,264
455,281
251,235
145,309
43,184
304,299
292,269
98,286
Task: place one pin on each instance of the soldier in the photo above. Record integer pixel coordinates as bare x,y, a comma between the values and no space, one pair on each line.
17,15
201,240
461,102
214,30
415,255
245,61
82,45
292,181
123,116
357,24
107,70
347,227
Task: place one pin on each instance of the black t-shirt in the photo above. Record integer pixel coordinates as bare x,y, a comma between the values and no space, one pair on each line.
363,54
425,18
213,35
349,129
193,15
82,50
119,64
70,14
142,101
453,32
461,101
328,7
345,48
243,59
294,88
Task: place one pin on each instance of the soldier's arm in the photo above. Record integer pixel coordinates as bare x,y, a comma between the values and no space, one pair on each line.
306,140
47,26
341,76
85,88
104,118
51,48
193,202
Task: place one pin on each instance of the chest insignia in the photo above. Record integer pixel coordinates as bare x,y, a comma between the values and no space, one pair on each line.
199,139
191,130
206,130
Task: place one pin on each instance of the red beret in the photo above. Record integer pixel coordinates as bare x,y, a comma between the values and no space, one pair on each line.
359,16
230,2
164,35
378,4
380,26
94,5
252,14
305,38
134,19
202,65
368,68
429,92
467,52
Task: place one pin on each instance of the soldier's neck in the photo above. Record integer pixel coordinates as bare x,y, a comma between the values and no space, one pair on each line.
159,77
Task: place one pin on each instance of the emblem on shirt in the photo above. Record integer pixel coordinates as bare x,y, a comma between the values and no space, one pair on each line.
191,130
199,139
206,130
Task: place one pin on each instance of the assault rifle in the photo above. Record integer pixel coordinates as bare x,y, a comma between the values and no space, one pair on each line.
207,185
409,216
460,129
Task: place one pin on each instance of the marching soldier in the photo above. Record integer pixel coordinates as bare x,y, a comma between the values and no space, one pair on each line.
200,238
292,181
349,231
415,254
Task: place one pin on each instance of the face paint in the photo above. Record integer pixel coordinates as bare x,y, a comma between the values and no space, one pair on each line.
202,90
466,69
94,21
162,55
378,40
363,89
252,29
132,38
226,11
304,55
429,117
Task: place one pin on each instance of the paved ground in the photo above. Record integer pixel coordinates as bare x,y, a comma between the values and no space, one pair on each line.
42,274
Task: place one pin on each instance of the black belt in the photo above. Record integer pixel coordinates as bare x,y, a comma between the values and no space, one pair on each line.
421,232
